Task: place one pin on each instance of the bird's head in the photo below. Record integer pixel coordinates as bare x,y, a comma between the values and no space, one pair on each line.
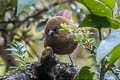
53,24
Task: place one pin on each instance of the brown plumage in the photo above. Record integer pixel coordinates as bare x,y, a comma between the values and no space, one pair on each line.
60,40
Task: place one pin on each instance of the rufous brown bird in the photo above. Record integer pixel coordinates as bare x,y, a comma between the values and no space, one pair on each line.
60,40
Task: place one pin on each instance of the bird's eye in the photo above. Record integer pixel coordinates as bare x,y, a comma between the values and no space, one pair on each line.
56,29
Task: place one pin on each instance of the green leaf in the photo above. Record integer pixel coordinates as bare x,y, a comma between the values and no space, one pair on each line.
91,40
115,54
13,2
18,57
87,34
63,25
96,7
21,62
27,64
75,30
12,45
118,17
114,23
78,36
22,66
84,74
107,46
24,3
109,3
99,22
66,27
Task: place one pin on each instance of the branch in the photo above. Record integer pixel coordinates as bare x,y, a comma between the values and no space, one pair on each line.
34,15
115,74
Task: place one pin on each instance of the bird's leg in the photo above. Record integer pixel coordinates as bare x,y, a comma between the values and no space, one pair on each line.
73,65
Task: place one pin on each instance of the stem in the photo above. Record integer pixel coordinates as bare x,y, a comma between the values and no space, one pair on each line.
92,51
100,36
33,49
103,70
102,76
110,30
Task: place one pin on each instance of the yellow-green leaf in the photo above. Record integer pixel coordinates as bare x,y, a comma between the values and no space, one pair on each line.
115,54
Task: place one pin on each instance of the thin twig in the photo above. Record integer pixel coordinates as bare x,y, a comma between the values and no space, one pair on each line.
92,51
32,49
103,70
114,73
34,15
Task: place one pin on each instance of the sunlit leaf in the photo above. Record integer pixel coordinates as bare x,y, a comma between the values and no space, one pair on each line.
109,3
107,46
115,54
75,30
23,67
66,27
78,36
91,40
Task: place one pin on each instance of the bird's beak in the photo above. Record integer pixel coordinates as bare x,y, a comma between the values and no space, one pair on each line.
50,32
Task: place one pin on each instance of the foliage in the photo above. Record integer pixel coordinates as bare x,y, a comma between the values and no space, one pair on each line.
19,52
100,16
99,22
109,3
80,36
84,74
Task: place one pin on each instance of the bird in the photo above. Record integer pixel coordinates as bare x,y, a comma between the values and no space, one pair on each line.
61,42
46,54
